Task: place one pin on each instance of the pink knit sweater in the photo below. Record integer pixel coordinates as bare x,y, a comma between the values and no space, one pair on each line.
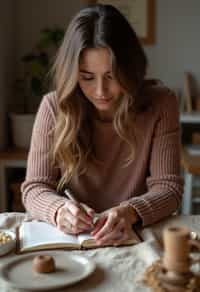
152,182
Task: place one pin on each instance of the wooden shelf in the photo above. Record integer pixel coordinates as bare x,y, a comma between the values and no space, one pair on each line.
9,159
14,154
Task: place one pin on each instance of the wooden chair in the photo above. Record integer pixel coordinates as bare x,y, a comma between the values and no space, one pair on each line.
191,166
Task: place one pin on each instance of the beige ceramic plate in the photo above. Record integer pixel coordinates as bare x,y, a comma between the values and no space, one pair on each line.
18,273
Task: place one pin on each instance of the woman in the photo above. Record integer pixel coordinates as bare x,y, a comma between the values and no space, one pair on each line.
107,135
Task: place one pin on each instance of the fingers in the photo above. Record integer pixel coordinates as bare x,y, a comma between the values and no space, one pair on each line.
113,228
90,212
69,229
75,221
78,211
115,233
100,223
111,221
72,218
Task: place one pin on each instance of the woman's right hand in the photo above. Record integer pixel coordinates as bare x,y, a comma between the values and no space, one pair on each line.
74,217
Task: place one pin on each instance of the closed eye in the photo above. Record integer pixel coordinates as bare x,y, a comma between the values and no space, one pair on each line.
86,75
86,78
110,77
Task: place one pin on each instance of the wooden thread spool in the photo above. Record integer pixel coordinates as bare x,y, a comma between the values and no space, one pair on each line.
177,249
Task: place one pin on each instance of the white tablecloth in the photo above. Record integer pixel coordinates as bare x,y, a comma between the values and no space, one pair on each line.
118,269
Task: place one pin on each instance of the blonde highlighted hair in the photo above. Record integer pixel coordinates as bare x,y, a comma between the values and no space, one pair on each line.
94,27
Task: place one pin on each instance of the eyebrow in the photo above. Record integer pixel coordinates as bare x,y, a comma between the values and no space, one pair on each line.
88,72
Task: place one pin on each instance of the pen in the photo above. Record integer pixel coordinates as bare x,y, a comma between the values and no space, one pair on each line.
71,197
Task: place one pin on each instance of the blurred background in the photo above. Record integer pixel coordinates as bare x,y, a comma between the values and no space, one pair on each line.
30,33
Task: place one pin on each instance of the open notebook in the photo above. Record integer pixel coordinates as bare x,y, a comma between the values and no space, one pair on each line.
37,235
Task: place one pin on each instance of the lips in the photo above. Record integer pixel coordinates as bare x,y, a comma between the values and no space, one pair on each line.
103,100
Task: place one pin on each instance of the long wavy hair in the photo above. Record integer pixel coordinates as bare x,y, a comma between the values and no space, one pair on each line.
97,26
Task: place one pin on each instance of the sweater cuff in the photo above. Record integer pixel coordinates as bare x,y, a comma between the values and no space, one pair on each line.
52,210
144,210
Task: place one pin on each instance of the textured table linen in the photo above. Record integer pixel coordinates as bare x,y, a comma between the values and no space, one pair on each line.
118,269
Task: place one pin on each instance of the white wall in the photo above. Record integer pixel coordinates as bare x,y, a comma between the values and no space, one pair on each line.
177,46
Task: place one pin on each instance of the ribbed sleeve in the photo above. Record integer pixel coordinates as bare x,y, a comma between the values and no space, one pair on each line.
151,183
165,186
39,195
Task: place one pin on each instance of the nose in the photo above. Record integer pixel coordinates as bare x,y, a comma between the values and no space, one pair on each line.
101,88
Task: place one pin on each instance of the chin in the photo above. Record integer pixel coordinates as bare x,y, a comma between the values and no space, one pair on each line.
103,108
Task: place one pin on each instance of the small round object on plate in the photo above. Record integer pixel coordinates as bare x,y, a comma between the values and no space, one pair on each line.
44,264
7,241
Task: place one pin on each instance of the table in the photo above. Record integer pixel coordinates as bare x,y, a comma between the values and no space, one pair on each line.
118,269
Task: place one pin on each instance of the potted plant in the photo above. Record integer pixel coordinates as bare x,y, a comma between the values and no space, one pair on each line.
34,84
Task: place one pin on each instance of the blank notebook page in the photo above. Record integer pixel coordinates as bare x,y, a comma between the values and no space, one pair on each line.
36,233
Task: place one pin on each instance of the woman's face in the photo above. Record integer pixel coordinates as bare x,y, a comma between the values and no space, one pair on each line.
97,81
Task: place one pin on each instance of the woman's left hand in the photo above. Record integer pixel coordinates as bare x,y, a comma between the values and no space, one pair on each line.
115,225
